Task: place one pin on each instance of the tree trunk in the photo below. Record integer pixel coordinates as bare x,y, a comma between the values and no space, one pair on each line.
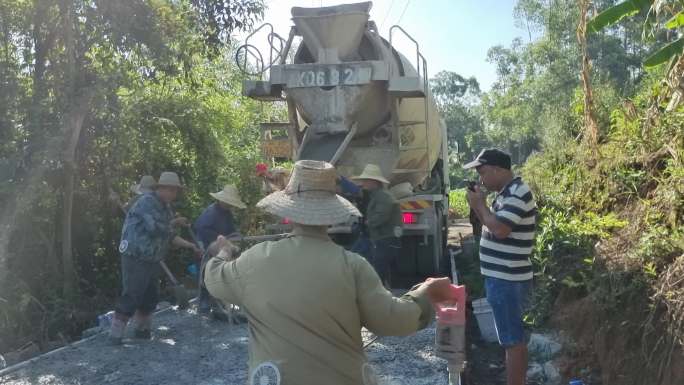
591,126
675,80
72,131
44,37
80,96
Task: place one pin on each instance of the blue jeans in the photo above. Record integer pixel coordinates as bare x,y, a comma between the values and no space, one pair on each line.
509,300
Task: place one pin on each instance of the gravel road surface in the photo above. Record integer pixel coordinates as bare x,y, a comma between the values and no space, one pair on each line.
187,349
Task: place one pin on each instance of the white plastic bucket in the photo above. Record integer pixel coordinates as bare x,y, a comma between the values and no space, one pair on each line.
485,319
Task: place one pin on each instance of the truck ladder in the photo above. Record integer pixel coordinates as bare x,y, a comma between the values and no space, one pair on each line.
403,86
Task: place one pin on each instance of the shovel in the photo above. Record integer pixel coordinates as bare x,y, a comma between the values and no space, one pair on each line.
256,238
179,292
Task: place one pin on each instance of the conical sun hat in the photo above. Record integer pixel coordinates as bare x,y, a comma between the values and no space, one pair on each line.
169,178
372,171
146,185
310,197
229,195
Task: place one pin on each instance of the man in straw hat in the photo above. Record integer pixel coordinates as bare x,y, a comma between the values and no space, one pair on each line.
215,220
306,297
382,218
148,231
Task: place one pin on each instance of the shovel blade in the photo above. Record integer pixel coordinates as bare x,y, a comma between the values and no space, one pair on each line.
181,296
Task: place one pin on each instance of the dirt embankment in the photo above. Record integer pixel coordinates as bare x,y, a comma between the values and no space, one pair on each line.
613,344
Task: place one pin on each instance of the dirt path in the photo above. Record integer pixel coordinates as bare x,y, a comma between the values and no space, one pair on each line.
457,229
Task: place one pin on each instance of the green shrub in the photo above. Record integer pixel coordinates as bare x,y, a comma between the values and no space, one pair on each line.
458,203
563,254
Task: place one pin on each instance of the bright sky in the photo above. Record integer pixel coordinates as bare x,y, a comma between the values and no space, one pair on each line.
454,35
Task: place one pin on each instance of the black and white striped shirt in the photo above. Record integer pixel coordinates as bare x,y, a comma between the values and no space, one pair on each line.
509,258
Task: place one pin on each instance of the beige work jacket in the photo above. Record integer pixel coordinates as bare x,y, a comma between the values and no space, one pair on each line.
307,299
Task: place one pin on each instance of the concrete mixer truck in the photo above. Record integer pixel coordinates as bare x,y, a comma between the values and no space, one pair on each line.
353,99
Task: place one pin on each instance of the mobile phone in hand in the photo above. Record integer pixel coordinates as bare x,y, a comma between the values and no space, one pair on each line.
471,185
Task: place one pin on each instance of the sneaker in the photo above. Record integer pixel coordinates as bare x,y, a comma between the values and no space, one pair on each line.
143,334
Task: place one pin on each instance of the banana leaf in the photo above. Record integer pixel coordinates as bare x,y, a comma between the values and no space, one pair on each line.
616,13
664,54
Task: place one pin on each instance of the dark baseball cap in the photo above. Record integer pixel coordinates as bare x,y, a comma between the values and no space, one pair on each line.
491,157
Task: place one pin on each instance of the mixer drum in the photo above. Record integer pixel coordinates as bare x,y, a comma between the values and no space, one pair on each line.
390,130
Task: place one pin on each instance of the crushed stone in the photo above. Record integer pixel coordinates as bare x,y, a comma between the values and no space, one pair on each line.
188,349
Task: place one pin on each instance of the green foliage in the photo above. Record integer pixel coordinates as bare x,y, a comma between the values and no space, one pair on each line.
639,176
217,18
458,203
468,267
616,13
162,100
563,254
450,87
676,21
670,51
458,100
664,54
610,217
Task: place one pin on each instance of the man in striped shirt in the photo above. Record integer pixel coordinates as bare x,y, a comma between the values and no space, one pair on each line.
505,248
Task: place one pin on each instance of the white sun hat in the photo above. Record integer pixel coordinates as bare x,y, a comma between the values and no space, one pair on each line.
310,197
229,195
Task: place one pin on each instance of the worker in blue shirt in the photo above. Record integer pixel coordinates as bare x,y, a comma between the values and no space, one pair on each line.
352,192
217,219
149,230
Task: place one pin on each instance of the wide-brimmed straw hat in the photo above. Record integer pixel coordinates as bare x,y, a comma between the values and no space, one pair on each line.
169,178
372,171
310,197
229,195
146,185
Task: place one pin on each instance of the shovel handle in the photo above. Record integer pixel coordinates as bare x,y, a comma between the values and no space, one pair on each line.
257,238
168,273
195,240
